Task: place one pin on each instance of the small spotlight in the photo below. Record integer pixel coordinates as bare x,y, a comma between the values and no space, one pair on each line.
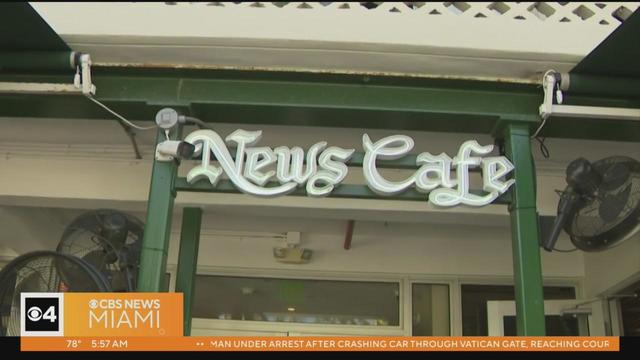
292,255
291,309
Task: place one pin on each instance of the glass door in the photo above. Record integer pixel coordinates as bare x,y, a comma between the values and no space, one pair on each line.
562,318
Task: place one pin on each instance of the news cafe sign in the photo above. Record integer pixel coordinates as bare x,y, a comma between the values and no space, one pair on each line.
323,167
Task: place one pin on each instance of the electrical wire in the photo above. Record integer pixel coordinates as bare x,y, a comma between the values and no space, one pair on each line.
134,143
129,123
126,126
543,148
201,124
535,134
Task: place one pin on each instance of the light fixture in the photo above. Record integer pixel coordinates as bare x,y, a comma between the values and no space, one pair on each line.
292,253
291,309
246,290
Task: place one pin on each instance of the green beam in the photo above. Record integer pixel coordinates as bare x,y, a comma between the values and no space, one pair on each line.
612,86
347,191
246,98
524,233
188,261
38,60
157,230
323,100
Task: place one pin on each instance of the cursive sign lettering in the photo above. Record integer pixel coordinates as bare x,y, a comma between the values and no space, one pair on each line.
323,168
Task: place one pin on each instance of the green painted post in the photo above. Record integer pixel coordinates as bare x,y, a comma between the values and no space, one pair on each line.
157,229
188,261
524,233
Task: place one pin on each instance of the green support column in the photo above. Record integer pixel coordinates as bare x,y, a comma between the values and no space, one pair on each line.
157,229
524,233
188,261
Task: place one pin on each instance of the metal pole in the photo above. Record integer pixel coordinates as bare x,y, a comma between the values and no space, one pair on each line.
157,229
188,261
39,60
527,270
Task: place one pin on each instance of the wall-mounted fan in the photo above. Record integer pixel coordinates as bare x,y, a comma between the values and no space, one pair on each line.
109,240
600,205
42,271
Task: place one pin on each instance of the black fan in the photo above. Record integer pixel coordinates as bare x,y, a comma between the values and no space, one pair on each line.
109,240
601,204
42,271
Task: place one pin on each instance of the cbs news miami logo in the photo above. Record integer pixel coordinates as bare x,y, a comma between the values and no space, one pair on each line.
101,314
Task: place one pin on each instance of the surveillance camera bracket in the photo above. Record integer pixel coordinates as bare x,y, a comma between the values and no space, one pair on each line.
81,85
555,82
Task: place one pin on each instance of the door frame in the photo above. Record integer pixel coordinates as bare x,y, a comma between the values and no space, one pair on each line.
497,310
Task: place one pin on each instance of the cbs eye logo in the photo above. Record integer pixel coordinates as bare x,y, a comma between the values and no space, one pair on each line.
41,314
35,314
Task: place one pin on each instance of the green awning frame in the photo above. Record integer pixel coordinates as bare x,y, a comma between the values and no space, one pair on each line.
23,29
611,69
617,55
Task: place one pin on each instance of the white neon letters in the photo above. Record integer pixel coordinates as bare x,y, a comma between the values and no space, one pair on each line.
434,174
212,143
389,148
323,168
251,176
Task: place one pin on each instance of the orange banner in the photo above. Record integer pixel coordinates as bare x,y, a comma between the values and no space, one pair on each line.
101,314
320,343
123,314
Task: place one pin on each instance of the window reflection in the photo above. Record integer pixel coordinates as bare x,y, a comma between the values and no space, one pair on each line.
297,300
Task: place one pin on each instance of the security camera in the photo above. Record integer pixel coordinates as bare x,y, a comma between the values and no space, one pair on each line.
167,118
170,149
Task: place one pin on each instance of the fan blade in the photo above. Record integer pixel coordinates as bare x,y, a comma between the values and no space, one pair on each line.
568,203
615,176
613,204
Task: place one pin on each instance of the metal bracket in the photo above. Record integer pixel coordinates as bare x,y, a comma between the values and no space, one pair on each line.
85,81
81,82
548,108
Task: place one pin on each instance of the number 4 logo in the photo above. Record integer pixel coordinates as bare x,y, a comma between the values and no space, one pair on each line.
50,314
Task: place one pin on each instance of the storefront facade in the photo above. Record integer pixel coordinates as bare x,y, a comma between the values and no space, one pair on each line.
408,268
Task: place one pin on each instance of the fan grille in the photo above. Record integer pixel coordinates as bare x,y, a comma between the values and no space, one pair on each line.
42,271
109,240
588,229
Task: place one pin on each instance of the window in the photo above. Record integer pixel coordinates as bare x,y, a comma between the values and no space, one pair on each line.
475,297
297,300
630,309
430,310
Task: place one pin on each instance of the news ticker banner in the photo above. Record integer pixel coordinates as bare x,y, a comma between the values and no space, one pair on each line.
320,343
154,322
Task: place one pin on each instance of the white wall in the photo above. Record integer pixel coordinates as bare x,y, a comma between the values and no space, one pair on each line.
377,247
245,242
611,270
